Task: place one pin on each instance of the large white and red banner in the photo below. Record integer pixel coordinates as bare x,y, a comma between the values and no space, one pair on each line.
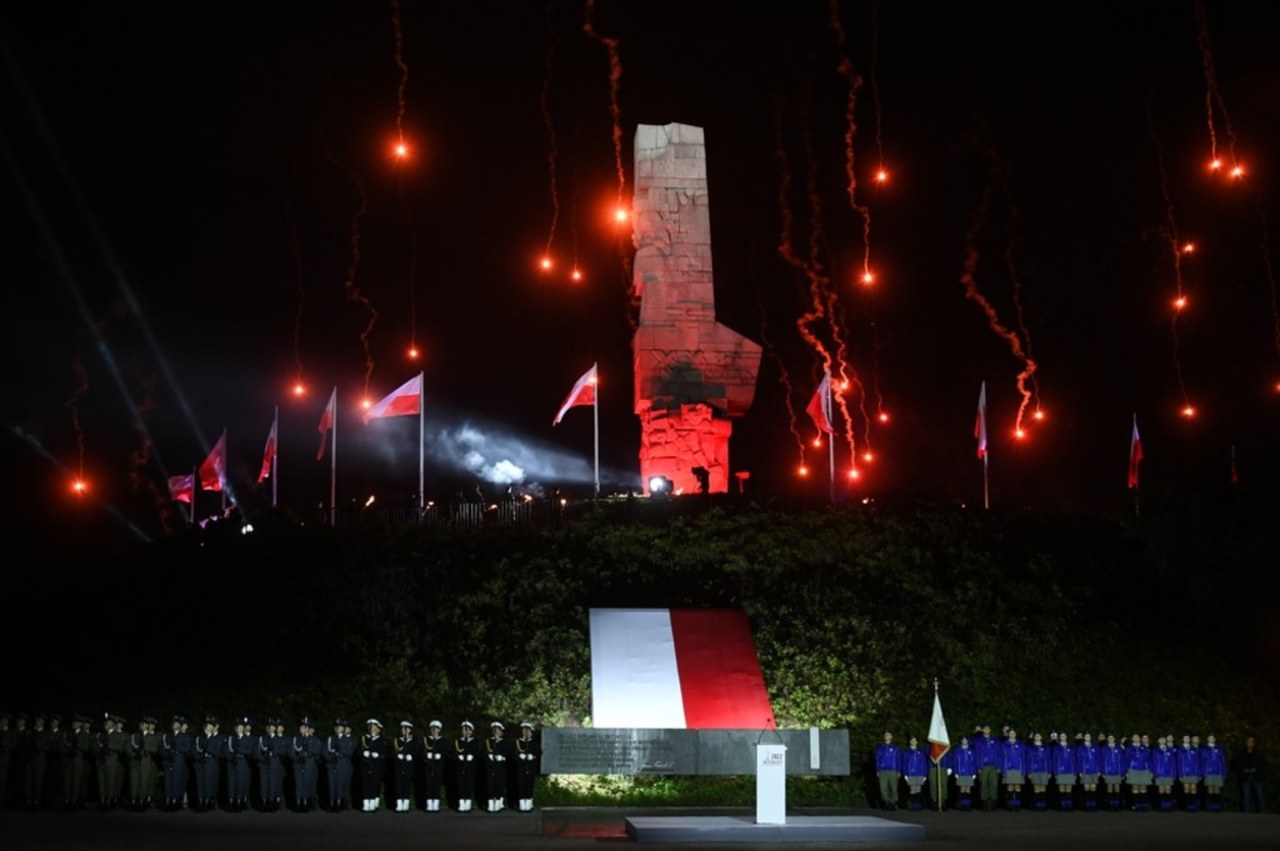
690,669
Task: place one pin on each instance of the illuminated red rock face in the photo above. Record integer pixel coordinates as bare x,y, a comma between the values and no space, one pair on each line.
691,372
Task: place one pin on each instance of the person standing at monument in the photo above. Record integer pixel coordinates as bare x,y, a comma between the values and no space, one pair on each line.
1013,768
1037,768
915,770
373,764
962,762
207,753
406,752
496,751
888,771
305,754
527,751
173,753
1253,767
1089,767
1164,768
1139,774
1190,771
988,753
1213,764
1063,766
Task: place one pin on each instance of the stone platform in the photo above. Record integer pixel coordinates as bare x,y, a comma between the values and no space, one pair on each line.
838,828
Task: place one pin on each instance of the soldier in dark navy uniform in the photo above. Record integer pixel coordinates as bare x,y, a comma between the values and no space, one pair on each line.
466,753
374,751
305,756
38,744
206,756
143,750
527,751
238,749
432,768
270,754
340,750
174,747
496,753
406,757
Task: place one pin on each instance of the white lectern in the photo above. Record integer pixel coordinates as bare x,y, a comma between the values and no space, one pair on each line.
771,784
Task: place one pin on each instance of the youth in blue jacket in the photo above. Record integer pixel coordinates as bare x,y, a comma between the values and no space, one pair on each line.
1013,767
915,768
1213,767
987,750
1189,773
1063,767
1089,767
888,770
1139,774
1037,761
1164,765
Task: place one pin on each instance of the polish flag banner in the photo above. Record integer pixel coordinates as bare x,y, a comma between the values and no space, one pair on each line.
1135,454
819,405
269,453
182,488
326,422
213,472
583,393
980,425
401,402
939,743
685,669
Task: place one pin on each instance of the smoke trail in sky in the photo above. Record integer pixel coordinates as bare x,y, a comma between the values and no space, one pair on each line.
552,142
615,78
73,405
1213,98
1177,249
404,74
353,292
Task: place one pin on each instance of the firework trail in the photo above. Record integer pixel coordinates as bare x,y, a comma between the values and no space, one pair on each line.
404,73
552,142
1213,97
401,156
783,376
615,77
846,69
302,302
1176,250
875,84
142,483
349,286
972,293
73,405
1016,281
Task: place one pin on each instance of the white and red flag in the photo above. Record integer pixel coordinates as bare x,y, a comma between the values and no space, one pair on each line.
182,488
939,743
213,472
1135,454
820,405
583,393
326,422
692,669
980,425
269,453
401,402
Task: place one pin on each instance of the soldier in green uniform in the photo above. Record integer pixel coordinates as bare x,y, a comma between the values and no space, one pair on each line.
41,741
69,754
7,741
86,750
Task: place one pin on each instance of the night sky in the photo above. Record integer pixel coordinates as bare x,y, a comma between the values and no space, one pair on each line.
181,186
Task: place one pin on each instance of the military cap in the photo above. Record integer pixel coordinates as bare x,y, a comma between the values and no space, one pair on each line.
435,724
468,724
119,719
178,719
243,719
373,721
406,723
147,719
498,725
528,724
40,716
341,722
305,722
5,715
211,719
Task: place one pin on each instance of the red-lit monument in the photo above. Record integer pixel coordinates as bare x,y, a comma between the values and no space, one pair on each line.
692,374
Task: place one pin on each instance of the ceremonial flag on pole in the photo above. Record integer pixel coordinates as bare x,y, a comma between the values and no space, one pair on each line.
269,453
1135,454
213,472
182,488
401,402
980,426
939,743
583,393
326,422
820,404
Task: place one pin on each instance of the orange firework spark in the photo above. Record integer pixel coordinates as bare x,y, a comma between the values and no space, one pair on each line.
993,319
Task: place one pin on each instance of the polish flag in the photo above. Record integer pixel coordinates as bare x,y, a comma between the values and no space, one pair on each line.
213,472
182,488
820,404
939,743
583,393
980,426
692,669
269,453
401,402
326,422
1135,454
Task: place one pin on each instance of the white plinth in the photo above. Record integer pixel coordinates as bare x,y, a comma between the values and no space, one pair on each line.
771,784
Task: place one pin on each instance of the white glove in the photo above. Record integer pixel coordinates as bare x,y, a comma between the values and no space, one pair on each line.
366,754
948,772
409,757
470,757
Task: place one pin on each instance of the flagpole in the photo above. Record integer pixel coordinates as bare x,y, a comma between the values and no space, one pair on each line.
986,487
275,458
333,464
222,474
937,767
422,417
595,409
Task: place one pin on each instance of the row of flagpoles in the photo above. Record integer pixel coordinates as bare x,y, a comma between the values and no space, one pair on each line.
405,400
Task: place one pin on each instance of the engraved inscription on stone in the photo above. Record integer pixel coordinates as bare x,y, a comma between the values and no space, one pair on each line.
625,751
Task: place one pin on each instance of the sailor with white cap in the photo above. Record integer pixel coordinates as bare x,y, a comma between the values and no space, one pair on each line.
496,750
407,752
433,749
373,768
527,751
466,750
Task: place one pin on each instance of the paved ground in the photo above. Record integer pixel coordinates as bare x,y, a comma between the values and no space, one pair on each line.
582,829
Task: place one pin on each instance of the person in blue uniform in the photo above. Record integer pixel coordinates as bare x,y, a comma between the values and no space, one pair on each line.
1064,768
1013,769
496,752
1164,768
238,749
962,761
1139,773
1089,767
337,757
173,754
915,770
406,755
205,756
988,751
1115,762
1190,772
273,750
1213,766
433,755
374,751
466,753
888,771
526,750
305,755
1037,768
